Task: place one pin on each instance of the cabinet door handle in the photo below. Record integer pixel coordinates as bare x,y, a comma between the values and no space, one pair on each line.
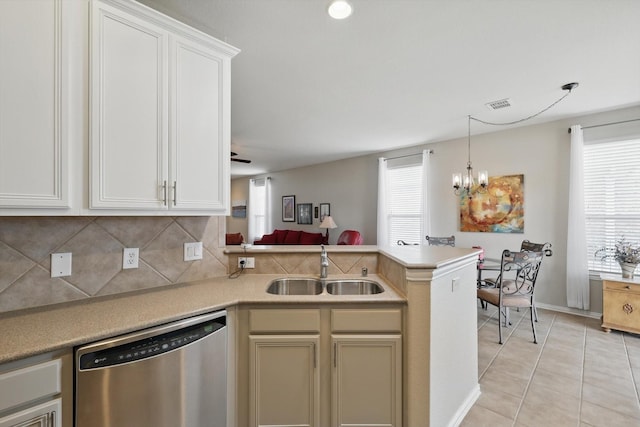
52,418
315,363
175,192
335,355
164,193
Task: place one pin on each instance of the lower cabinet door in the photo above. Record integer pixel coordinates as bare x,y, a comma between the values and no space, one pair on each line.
366,380
45,415
284,380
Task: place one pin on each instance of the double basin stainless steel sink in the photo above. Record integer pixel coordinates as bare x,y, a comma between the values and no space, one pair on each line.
311,286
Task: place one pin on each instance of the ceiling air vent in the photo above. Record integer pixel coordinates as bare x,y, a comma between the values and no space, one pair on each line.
497,105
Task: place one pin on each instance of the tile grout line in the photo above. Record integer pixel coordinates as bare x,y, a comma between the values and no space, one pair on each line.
584,358
633,377
533,372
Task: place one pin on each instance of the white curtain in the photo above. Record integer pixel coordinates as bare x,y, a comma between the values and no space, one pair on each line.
268,220
259,211
577,263
383,231
426,217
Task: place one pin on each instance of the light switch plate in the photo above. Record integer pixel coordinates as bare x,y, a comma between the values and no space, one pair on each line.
192,251
61,264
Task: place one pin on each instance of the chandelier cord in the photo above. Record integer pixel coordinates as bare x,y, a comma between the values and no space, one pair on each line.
526,118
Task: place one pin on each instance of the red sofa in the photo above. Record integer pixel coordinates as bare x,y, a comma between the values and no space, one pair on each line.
291,237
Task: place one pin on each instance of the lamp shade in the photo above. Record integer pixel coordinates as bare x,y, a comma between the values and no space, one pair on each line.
328,222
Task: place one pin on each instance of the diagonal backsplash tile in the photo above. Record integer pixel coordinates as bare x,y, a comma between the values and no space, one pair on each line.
37,288
38,237
165,253
12,266
97,258
143,277
134,232
26,244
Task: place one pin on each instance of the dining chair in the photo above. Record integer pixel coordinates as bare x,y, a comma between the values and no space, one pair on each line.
529,246
515,286
441,241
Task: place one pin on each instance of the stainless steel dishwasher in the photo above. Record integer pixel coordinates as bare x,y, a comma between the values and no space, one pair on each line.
174,375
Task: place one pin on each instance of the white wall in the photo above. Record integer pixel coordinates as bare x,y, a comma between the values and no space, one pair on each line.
540,152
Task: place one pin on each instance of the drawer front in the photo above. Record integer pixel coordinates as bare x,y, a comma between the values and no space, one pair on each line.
621,309
620,286
280,320
366,320
28,384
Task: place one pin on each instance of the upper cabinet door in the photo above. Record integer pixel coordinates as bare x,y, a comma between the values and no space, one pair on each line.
33,137
199,127
160,114
129,104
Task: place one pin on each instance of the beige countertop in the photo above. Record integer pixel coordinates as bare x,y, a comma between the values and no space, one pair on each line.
34,331
430,257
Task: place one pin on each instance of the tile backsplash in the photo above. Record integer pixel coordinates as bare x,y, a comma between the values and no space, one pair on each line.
26,245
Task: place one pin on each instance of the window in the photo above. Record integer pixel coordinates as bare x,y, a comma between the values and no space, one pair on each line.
402,213
612,197
259,209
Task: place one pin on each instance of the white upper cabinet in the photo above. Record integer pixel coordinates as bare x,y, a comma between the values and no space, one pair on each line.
33,101
129,141
160,114
199,133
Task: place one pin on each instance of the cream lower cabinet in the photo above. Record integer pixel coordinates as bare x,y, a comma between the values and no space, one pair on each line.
44,415
323,367
366,380
30,396
285,382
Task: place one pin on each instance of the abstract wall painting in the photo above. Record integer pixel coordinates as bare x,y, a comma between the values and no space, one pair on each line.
498,209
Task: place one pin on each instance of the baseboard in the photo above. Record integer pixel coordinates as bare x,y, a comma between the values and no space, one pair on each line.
568,310
462,411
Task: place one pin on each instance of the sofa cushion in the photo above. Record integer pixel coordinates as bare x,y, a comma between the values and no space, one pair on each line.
267,239
292,237
280,236
234,239
310,238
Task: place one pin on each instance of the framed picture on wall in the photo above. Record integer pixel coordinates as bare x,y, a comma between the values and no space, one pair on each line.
304,213
325,210
288,208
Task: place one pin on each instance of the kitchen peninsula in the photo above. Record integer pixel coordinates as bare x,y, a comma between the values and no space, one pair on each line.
425,284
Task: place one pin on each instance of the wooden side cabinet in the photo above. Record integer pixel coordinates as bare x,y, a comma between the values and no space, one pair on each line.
620,303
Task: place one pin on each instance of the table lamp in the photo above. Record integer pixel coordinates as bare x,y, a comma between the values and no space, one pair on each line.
327,223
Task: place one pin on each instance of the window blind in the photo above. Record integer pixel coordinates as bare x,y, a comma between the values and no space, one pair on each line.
404,189
612,197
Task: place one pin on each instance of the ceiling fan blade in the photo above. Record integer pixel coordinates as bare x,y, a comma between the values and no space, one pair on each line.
241,160
238,160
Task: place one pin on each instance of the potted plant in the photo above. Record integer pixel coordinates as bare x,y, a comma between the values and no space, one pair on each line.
626,253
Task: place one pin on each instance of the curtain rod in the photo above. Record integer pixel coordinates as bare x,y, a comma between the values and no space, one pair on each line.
407,155
608,124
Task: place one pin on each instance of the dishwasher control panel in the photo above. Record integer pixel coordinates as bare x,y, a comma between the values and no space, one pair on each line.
149,347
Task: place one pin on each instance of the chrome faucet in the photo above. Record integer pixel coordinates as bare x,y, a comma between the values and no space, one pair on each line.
324,263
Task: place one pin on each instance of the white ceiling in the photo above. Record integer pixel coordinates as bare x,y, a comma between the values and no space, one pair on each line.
308,89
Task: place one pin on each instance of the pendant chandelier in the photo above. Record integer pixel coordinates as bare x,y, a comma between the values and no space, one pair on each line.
465,184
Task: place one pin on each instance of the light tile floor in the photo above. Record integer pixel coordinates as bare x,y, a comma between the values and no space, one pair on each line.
577,375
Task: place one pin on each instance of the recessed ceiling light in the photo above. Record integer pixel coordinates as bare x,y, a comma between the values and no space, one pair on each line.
340,9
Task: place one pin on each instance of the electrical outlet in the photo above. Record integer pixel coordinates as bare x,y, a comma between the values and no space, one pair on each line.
249,262
130,258
61,264
192,251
